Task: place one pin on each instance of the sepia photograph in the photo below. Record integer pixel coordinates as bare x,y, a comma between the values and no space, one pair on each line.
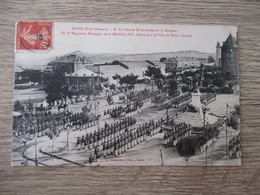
126,95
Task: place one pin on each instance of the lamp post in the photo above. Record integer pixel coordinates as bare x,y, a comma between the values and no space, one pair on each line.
35,140
162,164
206,154
26,156
204,111
67,102
96,103
226,131
52,150
36,158
167,113
53,129
67,136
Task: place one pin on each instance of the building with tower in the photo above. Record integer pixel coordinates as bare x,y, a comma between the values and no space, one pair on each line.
229,58
218,55
69,63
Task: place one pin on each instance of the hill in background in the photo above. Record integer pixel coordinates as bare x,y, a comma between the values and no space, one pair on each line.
108,57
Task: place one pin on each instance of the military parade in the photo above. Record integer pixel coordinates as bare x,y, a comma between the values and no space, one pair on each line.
175,110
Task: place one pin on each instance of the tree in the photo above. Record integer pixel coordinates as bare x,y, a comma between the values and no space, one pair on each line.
56,88
29,105
218,81
112,87
187,148
172,84
116,77
211,59
18,106
163,59
233,120
237,109
159,99
103,79
33,75
129,80
155,74
86,113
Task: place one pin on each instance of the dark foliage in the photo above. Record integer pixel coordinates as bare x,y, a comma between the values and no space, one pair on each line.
56,88
187,148
18,106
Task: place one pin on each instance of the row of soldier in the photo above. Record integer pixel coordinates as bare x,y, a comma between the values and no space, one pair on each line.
177,133
119,110
60,121
234,146
119,143
106,133
181,99
36,121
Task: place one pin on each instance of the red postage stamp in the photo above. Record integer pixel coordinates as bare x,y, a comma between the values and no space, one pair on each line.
34,36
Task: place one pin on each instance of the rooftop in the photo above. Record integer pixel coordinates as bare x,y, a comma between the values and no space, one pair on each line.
82,73
64,59
111,68
136,64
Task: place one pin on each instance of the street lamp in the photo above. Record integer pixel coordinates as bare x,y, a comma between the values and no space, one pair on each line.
35,141
67,126
36,158
167,113
206,154
204,110
161,155
26,162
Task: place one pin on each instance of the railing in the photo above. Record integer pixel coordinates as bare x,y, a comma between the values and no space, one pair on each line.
208,98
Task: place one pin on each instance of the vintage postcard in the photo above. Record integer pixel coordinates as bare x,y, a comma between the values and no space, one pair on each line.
125,95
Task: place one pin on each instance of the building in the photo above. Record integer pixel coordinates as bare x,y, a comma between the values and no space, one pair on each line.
69,63
92,68
123,68
32,74
218,55
178,63
109,70
203,60
209,67
137,67
158,64
171,65
188,61
229,58
82,79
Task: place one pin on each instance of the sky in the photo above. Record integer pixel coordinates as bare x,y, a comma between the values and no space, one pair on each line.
199,38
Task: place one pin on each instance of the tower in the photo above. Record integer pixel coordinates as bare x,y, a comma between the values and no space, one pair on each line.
229,58
218,55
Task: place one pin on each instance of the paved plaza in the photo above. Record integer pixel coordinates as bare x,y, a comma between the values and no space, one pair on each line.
139,155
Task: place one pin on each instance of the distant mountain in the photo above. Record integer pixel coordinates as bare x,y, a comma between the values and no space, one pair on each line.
109,57
32,64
